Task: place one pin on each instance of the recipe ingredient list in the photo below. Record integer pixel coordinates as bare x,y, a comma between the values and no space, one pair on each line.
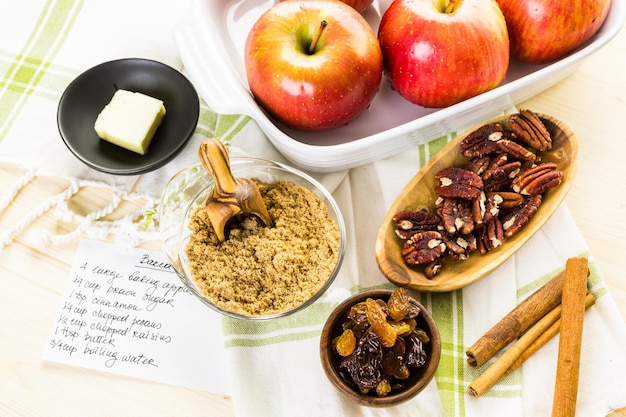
126,311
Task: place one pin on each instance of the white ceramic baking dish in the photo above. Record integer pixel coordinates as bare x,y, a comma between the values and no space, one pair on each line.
210,42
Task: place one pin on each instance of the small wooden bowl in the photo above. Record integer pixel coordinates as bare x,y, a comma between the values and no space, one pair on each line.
419,377
419,194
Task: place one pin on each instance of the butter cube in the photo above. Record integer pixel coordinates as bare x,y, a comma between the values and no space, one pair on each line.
130,120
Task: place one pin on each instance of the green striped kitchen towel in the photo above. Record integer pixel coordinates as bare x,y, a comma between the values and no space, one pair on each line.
275,365
44,45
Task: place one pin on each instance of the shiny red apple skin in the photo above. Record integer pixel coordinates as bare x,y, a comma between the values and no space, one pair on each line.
359,5
435,58
545,30
319,91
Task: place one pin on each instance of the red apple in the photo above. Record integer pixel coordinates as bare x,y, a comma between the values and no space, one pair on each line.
313,65
545,30
438,53
359,5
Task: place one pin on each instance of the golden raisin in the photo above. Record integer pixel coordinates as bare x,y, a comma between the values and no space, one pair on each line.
422,335
379,325
345,343
403,372
398,304
401,328
383,387
357,312
412,324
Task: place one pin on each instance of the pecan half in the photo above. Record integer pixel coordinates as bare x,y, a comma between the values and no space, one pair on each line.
433,268
498,159
423,248
490,236
482,141
509,199
500,177
515,219
456,215
460,246
530,130
409,222
478,165
526,165
516,150
538,179
458,183
485,207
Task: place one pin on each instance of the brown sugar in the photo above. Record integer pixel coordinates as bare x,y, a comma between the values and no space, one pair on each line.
263,270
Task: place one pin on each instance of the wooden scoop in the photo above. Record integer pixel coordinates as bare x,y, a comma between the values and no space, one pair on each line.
230,197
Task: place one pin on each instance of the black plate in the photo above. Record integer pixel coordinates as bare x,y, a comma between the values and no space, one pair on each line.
87,95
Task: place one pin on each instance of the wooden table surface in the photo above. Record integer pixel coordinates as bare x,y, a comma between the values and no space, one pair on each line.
592,101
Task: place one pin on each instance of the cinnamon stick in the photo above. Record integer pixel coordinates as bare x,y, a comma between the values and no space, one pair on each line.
495,371
544,338
537,336
568,363
517,321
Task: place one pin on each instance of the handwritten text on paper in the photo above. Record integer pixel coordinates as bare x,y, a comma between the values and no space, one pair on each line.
126,311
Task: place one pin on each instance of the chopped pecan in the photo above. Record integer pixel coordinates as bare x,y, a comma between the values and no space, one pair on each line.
409,222
518,217
456,215
530,130
516,150
423,248
490,236
458,183
538,179
482,141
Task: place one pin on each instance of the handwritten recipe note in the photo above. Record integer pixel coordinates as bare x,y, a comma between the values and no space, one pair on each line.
125,311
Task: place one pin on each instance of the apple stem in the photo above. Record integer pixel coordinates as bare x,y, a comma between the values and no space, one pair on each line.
318,33
451,5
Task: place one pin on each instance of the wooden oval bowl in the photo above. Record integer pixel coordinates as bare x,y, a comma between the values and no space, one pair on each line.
419,194
419,378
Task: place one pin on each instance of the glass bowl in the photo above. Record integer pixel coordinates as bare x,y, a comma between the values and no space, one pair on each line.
188,189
